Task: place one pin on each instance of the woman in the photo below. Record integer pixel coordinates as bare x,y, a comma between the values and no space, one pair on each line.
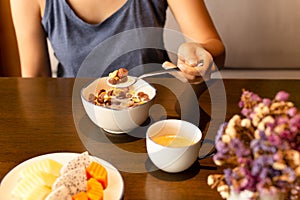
76,27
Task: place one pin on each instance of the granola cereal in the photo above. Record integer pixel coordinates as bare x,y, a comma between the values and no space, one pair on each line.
118,76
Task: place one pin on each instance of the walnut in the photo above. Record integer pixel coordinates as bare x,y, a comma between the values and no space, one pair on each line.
122,72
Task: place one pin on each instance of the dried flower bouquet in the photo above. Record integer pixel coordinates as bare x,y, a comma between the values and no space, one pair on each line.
260,149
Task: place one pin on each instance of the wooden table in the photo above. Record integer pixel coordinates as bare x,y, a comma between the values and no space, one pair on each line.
45,115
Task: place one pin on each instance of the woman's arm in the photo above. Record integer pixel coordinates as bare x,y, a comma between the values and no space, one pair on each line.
202,36
31,39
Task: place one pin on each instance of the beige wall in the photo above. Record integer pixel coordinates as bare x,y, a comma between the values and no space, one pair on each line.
257,33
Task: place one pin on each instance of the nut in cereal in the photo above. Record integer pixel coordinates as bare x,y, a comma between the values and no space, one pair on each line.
118,76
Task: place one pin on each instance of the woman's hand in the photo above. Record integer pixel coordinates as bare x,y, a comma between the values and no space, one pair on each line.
205,43
195,63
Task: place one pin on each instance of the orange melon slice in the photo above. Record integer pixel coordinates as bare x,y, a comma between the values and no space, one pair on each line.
97,171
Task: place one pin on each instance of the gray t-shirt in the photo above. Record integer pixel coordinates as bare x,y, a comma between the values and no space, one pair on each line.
132,38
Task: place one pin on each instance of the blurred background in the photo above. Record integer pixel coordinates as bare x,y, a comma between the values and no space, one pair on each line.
262,38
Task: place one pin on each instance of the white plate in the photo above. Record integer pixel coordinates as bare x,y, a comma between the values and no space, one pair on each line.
114,190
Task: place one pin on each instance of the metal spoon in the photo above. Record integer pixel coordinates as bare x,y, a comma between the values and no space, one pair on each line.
132,79
168,68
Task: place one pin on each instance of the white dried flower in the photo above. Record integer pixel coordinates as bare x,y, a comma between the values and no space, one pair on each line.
279,128
224,194
261,126
255,120
230,131
256,134
236,119
210,180
279,166
297,171
226,139
219,162
222,188
246,123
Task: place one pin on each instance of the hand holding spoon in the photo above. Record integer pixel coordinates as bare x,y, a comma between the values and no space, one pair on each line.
169,68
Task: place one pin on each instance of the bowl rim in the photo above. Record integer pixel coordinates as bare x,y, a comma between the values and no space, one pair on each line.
114,109
149,138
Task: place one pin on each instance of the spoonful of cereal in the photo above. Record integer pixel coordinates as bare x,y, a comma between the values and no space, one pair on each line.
120,79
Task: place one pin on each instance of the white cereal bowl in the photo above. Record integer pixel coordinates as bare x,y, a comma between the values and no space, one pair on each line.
112,120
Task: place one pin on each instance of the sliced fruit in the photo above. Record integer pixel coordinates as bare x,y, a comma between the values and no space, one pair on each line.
94,194
75,181
92,183
97,171
46,165
59,193
24,187
80,196
38,193
32,182
43,178
80,161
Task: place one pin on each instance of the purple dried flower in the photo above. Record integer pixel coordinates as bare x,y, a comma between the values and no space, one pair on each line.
246,112
220,131
262,135
286,135
264,184
255,145
261,153
227,173
274,140
245,160
263,173
221,147
295,121
246,180
290,174
259,164
267,101
255,97
282,120
241,104
282,96
292,111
